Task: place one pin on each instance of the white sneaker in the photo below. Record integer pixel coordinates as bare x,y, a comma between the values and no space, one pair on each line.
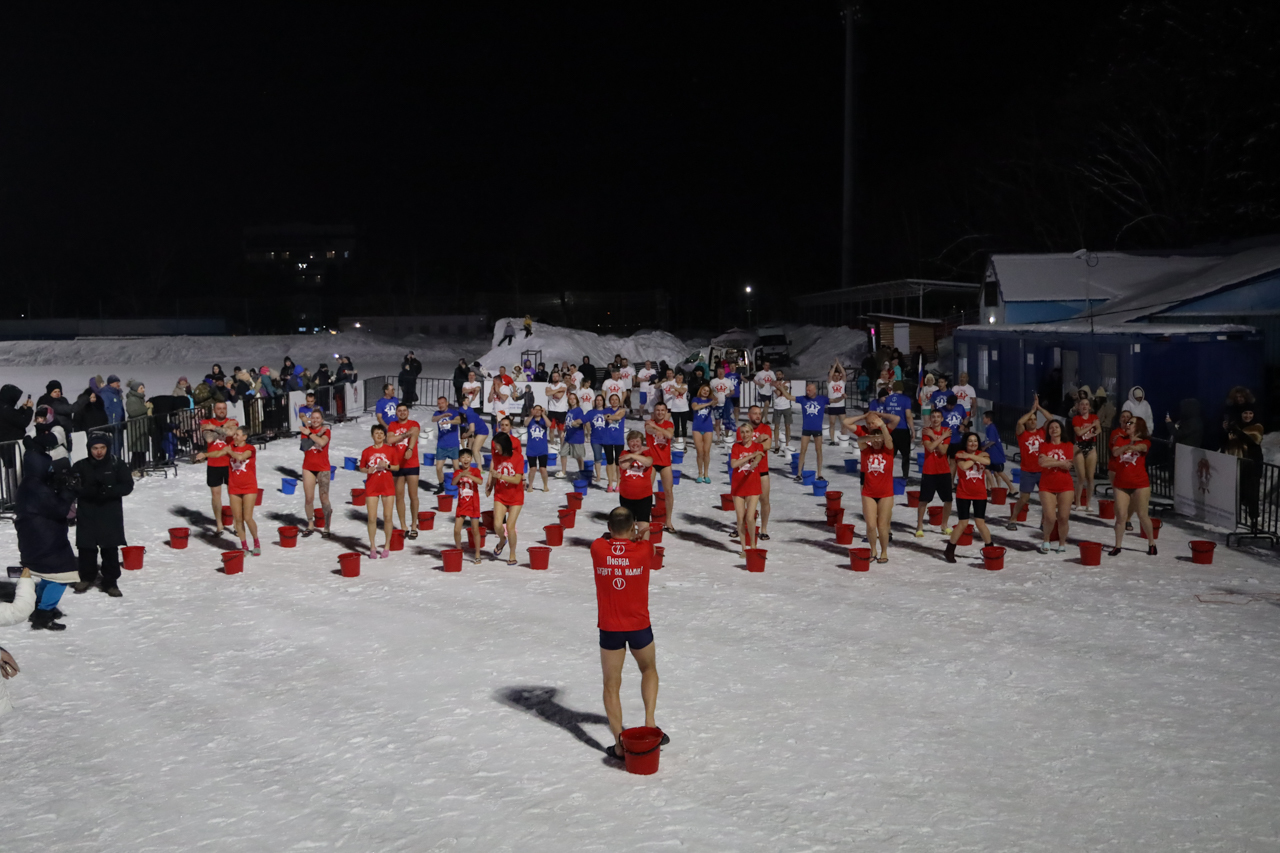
559,475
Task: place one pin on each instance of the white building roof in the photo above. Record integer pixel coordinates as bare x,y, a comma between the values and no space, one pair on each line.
1062,277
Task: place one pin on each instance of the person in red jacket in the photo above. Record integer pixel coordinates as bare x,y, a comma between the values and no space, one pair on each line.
971,492
621,565
1057,491
877,452
378,463
1132,485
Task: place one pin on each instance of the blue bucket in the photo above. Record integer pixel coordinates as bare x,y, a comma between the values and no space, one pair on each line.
675,477
351,463
551,459
899,486
677,456
450,489
806,477
526,466
333,471
795,458
287,485
1013,474
488,459
581,486
428,459
851,465
819,488
920,460
589,464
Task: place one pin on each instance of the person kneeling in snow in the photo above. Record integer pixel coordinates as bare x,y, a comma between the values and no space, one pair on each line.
104,481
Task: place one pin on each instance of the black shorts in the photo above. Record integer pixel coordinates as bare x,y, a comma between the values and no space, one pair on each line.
558,417
812,433
979,509
407,472
218,476
641,508
1086,447
660,468
935,484
996,467
537,461
835,410
614,640
611,453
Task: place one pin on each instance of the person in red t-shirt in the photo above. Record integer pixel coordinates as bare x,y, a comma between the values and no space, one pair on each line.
745,458
762,434
1056,489
315,469
971,491
402,435
935,476
1120,433
635,485
217,432
659,430
876,453
468,480
506,484
1132,485
379,463
242,484
1086,428
1030,437
621,567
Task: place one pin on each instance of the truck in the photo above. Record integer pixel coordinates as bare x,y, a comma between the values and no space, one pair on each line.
772,345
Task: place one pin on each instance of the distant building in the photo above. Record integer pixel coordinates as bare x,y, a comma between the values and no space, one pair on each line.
299,262
951,302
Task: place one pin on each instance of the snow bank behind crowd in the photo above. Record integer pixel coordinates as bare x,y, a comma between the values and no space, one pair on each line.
558,344
814,348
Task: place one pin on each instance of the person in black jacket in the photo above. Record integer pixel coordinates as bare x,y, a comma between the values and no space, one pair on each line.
410,369
61,406
346,375
588,370
44,502
13,418
459,379
104,480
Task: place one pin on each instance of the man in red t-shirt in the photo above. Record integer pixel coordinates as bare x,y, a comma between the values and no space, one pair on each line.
217,432
935,476
622,599
762,434
402,434
659,431
1029,440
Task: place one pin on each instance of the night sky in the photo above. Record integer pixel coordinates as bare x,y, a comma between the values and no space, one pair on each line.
586,145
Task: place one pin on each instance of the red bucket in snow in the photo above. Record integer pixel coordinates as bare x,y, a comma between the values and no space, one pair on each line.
1022,513
452,559
289,536
471,539
756,558
655,532
444,503
397,540
574,500
178,537
1106,508
132,556
835,515
261,494
833,499
966,538
726,501
913,498
999,496
993,558
935,515
641,747
1090,553
1053,534
555,534
1202,551
227,516
539,557
844,534
232,562
1155,529
350,564
567,518
860,559
319,514
357,497
486,520
426,520
656,565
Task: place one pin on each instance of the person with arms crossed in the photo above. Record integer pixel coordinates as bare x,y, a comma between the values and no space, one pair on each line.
764,380
217,432
468,480
971,492
615,432
557,407
813,408
378,463
574,444
104,482
899,405
965,395
744,484
385,409
635,490
1132,484
835,398
723,415
783,401
1030,437
316,471
538,449
242,486
659,433
1056,489
876,449
506,484
762,434
402,436
935,479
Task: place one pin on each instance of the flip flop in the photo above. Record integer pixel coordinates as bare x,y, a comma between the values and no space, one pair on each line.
497,549
612,752
513,562
882,559
413,534
764,537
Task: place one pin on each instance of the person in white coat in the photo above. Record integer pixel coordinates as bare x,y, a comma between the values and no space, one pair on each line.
1138,405
15,613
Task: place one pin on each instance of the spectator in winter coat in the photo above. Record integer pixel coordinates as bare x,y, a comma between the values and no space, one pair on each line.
13,418
244,384
61,406
88,411
508,334
183,388
459,379
113,400
50,437
322,384
215,374
1137,405
44,502
410,369
1188,429
139,432
104,481
346,371
13,613
288,369
267,384
1237,398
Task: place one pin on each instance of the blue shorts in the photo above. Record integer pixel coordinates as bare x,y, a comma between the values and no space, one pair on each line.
446,453
1027,481
614,640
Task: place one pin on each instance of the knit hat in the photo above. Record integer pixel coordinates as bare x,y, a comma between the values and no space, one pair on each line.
54,385
112,379
264,370
182,380
134,385
97,438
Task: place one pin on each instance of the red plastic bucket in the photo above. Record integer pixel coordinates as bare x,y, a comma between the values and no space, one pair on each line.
835,515
131,555
444,503
452,559
288,536
935,515
1022,513
658,513
999,496
833,499
656,565
567,518
319,514
860,559
726,501
555,534
1155,529
641,748
1201,551
1090,553
471,539
655,532
844,534
261,494
913,498
574,500
426,520
357,496
397,540
232,562
350,564
539,557
1106,508
227,516
966,538
178,537
756,558
1053,534
993,558
486,520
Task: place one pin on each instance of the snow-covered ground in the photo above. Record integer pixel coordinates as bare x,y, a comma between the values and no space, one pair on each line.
919,706
558,343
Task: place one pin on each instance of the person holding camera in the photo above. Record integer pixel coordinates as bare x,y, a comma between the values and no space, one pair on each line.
104,482
13,613
43,505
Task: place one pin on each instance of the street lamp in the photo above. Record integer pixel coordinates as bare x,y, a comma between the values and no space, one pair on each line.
748,289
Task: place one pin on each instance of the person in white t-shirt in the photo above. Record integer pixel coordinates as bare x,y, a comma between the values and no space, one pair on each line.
836,398
627,374
676,395
471,390
613,385
499,402
965,395
721,388
644,378
782,400
576,377
764,388
557,406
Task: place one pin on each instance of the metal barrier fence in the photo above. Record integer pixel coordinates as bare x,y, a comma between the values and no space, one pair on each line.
1257,502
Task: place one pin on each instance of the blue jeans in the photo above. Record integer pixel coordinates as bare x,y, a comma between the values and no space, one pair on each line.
48,594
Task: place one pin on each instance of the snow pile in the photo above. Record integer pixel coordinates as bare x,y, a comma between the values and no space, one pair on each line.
1271,448
558,344
814,348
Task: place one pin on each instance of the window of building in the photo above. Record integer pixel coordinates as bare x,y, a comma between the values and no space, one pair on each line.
962,359
982,367
1107,365
330,254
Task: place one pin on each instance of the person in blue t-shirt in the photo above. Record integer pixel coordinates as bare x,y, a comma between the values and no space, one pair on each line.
573,445
813,413
614,438
535,448
598,421
899,405
994,447
448,423
476,431
385,408
939,398
954,417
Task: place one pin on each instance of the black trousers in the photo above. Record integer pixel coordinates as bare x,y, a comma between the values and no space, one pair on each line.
902,444
110,565
507,339
681,423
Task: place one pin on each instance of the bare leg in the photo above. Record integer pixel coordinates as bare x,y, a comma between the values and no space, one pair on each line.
764,504
458,521
388,508
1141,498
884,518
669,489
309,497
371,521
647,659
411,486
804,451
400,489
513,513
1064,522
246,510
1121,497
237,517
215,494
611,661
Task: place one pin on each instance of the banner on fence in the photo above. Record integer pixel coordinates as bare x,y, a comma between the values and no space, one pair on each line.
235,411
351,399
1205,486
296,400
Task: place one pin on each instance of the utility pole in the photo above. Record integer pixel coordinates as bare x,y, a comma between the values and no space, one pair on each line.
852,12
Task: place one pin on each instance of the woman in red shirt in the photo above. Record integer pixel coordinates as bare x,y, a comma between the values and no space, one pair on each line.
635,486
1132,486
1120,433
1086,428
971,491
506,484
378,463
315,469
744,459
876,449
242,485
1056,488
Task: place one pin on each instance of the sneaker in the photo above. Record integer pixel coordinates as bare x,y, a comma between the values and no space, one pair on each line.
920,534
559,475
257,552
114,592
373,555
